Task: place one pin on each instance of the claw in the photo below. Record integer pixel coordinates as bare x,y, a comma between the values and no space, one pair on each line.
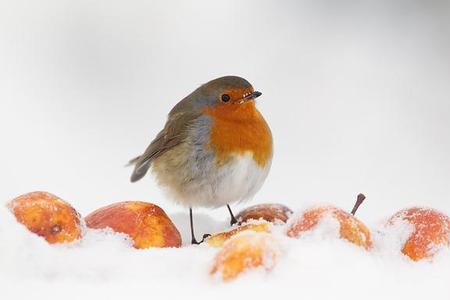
195,242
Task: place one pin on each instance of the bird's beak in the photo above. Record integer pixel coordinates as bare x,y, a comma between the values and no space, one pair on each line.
251,96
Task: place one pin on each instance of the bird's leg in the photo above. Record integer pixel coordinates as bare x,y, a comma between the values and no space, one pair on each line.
193,240
233,219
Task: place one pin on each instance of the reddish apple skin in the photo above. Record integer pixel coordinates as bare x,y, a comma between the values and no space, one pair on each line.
47,216
218,239
246,251
267,212
431,229
351,229
146,224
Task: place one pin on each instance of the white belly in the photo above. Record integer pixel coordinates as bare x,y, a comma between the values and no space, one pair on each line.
235,181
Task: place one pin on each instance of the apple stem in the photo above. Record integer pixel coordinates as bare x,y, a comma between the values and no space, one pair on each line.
359,201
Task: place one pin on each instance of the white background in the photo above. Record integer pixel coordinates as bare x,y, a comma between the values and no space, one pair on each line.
357,95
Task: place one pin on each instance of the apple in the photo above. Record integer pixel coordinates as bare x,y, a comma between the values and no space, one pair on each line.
268,212
350,228
218,239
146,223
430,230
246,251
48,216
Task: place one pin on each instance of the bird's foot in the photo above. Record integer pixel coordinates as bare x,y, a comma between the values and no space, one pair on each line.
195,242
233,221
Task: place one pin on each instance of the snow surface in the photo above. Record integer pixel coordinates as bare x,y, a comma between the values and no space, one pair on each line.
315,266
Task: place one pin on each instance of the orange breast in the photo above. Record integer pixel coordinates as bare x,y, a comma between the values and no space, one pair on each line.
239,129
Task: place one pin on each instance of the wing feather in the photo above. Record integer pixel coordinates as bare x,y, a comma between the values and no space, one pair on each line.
173,134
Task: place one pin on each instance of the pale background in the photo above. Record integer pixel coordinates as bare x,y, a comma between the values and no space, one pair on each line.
356,94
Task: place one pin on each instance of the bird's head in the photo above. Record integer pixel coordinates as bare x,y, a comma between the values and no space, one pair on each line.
227,91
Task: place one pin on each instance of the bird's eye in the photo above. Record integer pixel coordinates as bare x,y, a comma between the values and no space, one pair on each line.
225,98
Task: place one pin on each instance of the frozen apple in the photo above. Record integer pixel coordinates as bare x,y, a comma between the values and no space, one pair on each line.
47,216
350,228
146,224
248,250
430,231
268,212
218,239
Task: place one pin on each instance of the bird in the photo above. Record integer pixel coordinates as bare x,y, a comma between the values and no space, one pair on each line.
215,148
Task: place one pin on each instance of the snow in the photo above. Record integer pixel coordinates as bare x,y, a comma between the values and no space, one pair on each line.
317,265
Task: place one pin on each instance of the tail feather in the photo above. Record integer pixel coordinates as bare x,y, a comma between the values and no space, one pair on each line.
140,168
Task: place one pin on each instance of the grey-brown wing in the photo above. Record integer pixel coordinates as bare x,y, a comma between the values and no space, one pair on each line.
173,134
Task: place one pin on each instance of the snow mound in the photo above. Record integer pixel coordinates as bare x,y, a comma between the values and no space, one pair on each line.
316,266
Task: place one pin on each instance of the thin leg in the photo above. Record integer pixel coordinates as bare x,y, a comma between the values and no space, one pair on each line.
193,240
233,219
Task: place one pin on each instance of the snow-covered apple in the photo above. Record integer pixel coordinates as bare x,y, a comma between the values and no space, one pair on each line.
48,216
218,239
350,228
245,251
146,223
268,212
430,230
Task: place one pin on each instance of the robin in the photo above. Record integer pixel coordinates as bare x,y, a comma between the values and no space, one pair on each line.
215,148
